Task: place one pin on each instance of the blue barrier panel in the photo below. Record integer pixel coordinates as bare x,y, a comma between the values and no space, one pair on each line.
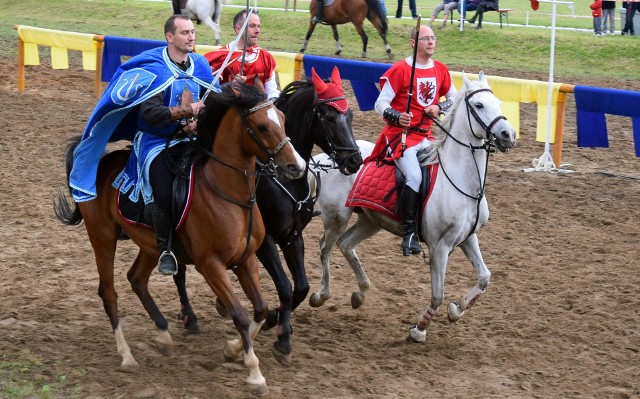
592,103
115,47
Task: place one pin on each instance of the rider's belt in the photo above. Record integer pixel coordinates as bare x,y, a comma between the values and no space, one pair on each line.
418,129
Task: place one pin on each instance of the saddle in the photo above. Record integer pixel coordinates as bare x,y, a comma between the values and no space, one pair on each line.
136,213
377,187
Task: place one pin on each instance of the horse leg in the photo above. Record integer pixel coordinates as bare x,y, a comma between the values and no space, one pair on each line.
280,317
438,265
383,35
214,27
335,221
312,27
218,279
334,29
362,229
104,240
186,315
138,276
471,250
363,35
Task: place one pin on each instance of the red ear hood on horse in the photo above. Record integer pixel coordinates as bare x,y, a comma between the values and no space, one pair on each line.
330,93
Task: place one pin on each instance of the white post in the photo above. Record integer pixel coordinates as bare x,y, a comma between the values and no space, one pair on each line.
461,15
545,162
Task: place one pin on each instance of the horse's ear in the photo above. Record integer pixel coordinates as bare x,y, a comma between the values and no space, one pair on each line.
481,77
467,82
335,76
235,87
258,83
317,82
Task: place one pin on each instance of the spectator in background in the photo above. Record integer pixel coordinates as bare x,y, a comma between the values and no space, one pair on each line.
484,6
609,14
412,7
596,13
469,5
631,8
448,6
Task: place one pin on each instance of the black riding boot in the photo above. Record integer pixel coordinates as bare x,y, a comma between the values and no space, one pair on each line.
163,225
319,18
409,210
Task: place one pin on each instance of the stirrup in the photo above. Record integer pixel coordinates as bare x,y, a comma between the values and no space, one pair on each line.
317,20
410,245
172,258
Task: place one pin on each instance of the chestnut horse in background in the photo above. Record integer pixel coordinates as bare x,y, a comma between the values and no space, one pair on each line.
222,229
355,11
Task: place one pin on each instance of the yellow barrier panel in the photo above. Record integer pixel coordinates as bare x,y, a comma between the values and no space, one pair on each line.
60,42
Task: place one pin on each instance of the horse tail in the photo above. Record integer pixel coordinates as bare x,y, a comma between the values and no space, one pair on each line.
376,11
65,212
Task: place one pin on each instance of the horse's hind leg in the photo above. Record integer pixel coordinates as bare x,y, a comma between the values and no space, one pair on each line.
383,35
138,277
471,249
214,27
364,37
337,39
187,316
362,229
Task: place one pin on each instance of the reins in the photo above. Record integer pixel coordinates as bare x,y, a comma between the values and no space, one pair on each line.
487,144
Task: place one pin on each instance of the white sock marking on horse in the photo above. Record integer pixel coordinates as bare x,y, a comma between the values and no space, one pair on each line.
471,297
123,348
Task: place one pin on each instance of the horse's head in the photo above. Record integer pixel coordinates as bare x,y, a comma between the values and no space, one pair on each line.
333,118
264,123
484,114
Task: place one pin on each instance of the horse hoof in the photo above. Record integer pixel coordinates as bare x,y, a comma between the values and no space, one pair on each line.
357,299
164,348
271,321
258,389
231,351
453,311
338,52
283,359
417,335
364,55
390,55
302,50
316,300
129,367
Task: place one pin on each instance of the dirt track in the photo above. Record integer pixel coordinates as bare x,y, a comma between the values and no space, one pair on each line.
559,318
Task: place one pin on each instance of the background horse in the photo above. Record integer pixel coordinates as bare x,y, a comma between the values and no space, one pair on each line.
354,11
222,229
454,213
287,205
207,11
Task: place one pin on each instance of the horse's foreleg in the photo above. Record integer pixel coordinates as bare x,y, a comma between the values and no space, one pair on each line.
438,266
214,27
312,26
280,317
335,224
218,279
186,315
362,229
471,250
364,37
138,276
337,39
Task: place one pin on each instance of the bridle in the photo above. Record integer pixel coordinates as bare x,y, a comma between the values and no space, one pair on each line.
270,166
489,140
333,148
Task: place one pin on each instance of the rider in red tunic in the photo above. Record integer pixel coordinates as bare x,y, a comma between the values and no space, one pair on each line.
258,61
431,82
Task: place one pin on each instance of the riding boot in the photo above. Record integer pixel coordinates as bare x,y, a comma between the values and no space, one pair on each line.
409,210
163,225
319,18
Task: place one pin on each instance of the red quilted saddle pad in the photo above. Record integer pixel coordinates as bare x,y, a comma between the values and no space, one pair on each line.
374,183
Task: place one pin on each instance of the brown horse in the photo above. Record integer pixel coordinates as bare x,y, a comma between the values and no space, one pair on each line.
354,11
222,229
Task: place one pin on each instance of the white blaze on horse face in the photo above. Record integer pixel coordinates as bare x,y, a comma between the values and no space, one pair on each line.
273,116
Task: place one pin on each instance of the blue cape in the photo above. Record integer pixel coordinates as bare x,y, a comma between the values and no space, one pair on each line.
115,116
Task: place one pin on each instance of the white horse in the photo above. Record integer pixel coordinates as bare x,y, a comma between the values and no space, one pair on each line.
455,211
206,11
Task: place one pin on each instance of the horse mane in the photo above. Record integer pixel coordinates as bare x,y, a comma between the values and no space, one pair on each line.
216,106
294,92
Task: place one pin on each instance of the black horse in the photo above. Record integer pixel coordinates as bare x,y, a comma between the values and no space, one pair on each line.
316,114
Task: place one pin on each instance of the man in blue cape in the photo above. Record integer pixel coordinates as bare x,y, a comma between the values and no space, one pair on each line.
151,100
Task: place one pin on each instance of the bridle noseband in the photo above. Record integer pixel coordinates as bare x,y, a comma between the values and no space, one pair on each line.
333,148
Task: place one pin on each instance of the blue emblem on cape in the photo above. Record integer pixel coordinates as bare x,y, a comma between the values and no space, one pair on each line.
131,85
